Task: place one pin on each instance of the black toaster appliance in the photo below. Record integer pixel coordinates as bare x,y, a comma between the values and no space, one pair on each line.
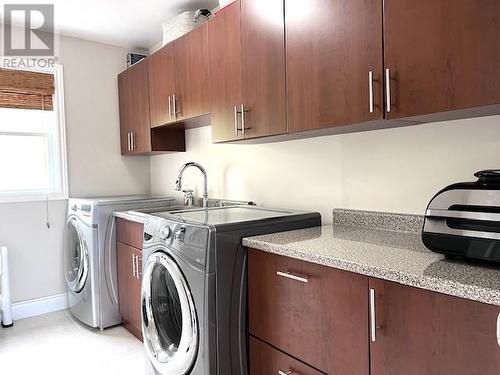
463,220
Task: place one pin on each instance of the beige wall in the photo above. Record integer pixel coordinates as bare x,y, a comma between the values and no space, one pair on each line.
395,170
94,162
96,166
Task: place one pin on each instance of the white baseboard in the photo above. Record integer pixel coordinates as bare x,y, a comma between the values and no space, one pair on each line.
39,306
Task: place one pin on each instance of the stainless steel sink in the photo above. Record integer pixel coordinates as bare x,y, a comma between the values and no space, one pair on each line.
198,204
140,214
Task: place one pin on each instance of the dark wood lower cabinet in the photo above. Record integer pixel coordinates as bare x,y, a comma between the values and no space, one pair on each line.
129,287
264,360
306,319
129,232
426,333
316,314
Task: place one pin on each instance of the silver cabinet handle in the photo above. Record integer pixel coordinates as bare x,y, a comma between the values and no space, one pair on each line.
133,141
388,89
174,104
498,329
137,273
243,119
236,120
370,92
169,107
373,317
281,372
288,275
133,265
128,141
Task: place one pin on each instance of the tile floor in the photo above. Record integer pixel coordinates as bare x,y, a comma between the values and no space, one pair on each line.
55,344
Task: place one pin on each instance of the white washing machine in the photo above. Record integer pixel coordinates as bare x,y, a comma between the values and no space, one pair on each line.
90,255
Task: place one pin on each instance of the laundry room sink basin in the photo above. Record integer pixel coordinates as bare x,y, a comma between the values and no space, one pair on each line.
139,215
198,203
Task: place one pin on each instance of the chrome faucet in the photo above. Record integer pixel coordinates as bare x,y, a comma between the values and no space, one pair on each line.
178,182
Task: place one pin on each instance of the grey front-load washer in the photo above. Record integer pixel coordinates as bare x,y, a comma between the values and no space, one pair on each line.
194,286
90,255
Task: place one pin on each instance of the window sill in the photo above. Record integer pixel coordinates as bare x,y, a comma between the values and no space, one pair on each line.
31,198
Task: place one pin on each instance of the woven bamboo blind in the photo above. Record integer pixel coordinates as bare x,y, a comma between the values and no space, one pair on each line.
26,90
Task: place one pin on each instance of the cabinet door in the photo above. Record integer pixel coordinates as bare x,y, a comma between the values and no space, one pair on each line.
225,73
421,332
134,109
442,55
124,101
191,74
129,232
264,359
263,67
129,287
135,295
331,48
313,313
161,86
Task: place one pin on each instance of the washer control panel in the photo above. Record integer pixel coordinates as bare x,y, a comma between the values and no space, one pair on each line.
190,241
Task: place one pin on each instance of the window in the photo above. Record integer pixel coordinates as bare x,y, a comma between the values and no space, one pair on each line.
32,144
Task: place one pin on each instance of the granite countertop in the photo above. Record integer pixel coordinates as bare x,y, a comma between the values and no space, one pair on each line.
368,244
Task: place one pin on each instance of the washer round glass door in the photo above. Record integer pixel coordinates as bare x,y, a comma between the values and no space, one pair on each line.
77,256
169,322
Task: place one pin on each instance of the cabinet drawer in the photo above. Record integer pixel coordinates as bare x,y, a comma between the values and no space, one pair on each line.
129,232
311,312
264,359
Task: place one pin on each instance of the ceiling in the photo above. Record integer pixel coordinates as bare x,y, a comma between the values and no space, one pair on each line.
128,23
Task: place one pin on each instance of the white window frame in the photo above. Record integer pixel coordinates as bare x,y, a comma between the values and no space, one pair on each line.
58,100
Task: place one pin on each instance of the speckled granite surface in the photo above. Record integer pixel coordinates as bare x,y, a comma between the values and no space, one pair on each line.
397,256
379,220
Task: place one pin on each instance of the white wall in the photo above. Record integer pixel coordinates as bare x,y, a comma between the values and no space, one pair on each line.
96,166
395,170
35,251
94,162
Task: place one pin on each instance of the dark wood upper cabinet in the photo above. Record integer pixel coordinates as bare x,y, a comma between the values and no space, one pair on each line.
161,86
143,98
313,313
134,109
263,68
334,63
421,332
192,94
247,63
224,30
441,55
286,66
